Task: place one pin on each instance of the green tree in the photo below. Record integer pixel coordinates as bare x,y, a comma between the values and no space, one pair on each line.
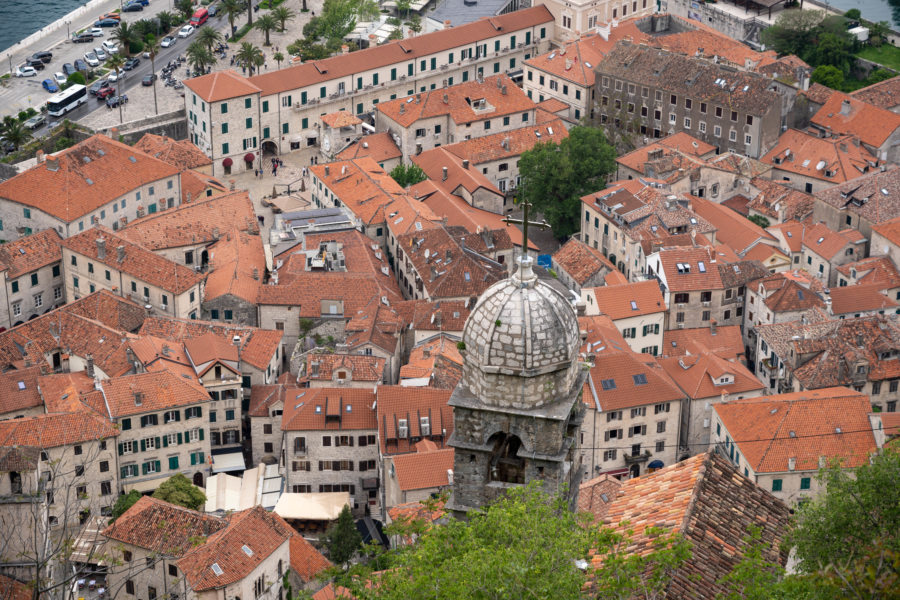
231,8
278,57
878,32
116,63
283,14
14,132
76,77
415,23
185,8
407,175
834,50
199,56
248,4
794,31
556,176
209,37
849,535
152,48
179,490
342,539
266,23
123,503
249,56
126,36
853,14
167,20
828,76
759,220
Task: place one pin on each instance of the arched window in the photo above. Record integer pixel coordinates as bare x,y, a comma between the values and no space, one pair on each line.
506,465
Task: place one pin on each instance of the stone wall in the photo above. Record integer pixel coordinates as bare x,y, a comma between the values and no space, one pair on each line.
171,124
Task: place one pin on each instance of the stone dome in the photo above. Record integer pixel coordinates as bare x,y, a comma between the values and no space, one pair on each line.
522,341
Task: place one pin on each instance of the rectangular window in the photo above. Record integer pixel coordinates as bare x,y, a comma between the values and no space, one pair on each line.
776,485
247,103
249,122
805,483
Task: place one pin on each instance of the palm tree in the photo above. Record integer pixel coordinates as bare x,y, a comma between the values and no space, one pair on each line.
126,35
278,57
266,23
249,56
116,62
166,20
283,14
185,7
231,8
198,56
249,7
209,37
14,131
152,47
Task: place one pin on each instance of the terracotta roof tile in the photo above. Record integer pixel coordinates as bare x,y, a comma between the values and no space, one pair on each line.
580,261
438,316
623,392
706,277
10,589
780,201
221,85
708,43
137,261
54,430
18,458
195,185
329,592
827,243
19,390
258,346
379,147
726,342
459,100
874,196
148,392
263,397
818,93
178,153
109,309
792,291
874,270
891,424
434,161
76,181
733,229
320,409
322,367
680,143
161,527
423,470
553,106
339,119
860,298
438,360
830,422
30,253
508,144
306,561
884,94
700,375
237,266
843,114
630,300
397,402
805,154
66,392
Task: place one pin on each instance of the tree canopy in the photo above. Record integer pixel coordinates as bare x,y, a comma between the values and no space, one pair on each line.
342,539
556,176
123,503
179,490
407,175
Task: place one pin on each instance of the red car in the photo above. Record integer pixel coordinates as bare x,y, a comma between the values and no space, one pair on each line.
104,93
111,15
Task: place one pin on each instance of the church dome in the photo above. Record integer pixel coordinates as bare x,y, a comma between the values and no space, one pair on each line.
521,342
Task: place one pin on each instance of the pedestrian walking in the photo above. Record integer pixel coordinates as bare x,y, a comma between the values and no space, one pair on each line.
256,172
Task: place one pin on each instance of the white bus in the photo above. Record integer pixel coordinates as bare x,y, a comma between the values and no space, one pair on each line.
70,99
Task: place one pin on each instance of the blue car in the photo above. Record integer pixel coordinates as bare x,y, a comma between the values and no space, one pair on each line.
50,86
106,23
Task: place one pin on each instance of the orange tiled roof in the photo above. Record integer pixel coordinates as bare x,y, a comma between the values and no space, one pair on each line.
195,185
379,147
738,232
707,43
109,309
884,94
339,119
362,186
423,470
30,253
630,300
874,270
264,397
420,46
158,391
700,375
890,230
10,589
200,222
508,144
320,409
69,392
680,142
398,402
843,114
805,154
818,93
780,201
874,197
178,153
438,360
891,423
434,161
255,529
57,429
238,265
19,389
309,289
623,392
860,298
552,106
221,85
360,366
210,347
137,261
162,528
705,277
257,346
306,561
792,291
422,315
580,261
726,342
830,422
77,181
502,98
827,243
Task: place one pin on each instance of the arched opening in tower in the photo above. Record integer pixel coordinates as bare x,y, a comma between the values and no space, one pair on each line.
506,465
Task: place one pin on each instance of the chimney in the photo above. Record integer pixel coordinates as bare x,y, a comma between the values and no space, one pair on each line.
465,163
503,90
215,233
462,243
89,367
433,273
446,99
114,133
120,253
845,107
447,24
256,273
418,98
101,248
52,164
327,171
443,173
712,327
403,108
499,83
39,155
449,255
345,49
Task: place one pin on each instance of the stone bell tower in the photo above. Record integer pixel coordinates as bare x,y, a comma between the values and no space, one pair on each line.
517,409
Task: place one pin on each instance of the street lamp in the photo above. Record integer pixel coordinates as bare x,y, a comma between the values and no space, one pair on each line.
68,33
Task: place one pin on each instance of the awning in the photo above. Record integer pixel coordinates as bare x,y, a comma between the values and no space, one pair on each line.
325,506
615,472
227,162
223,463
145,486
655,464
249,157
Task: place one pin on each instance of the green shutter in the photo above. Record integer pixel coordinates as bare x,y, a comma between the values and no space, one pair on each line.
121,449
122,473
173,463
165,441
201,434
199,411
179,438
143,446
193,458
126,424
144,468
201,458
157,466
158,445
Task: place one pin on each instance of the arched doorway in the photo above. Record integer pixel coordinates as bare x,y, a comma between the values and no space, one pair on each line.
506,465
198,479
204,258
269,148
635,470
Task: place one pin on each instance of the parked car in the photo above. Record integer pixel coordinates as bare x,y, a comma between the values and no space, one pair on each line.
83,38
97,86
69,68
168,41
114,101
91,59
111,15
110,47
148,79
106,23
101,53
132,63
60,78
80,65
43,56
105,92
25,71
114,76
96,31
132,8
141,2
35,121
35,63
50,86
213,10
186,31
